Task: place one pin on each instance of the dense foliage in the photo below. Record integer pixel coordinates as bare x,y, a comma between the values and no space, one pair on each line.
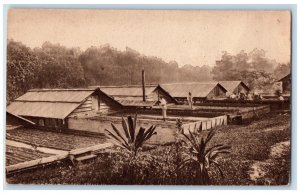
55,66
108,66
22,69
51,66
254,68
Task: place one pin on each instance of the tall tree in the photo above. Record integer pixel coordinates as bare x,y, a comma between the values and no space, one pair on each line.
254,68
260,62
60,67
106,65
282,70
22,69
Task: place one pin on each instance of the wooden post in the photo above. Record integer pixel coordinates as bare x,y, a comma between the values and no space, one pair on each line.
143,85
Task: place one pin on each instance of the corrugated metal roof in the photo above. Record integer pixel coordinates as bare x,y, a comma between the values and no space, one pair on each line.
182,89
49,103
230,86
288,76
127,90
55,95
57,110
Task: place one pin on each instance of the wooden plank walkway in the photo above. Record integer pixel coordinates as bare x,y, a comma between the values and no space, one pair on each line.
60,155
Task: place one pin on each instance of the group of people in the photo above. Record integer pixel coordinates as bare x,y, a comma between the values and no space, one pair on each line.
243,96
163,104
239,96
249,96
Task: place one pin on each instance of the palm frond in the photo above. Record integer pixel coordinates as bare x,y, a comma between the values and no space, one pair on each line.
205,156
184,163
210,135
130,140
119,134
131,128
125,128
219,168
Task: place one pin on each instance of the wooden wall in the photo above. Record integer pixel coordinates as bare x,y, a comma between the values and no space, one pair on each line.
48,122
86,106
240,89
217,92
158,92
96,103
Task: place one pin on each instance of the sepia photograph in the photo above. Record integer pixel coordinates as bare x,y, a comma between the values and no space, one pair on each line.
148,97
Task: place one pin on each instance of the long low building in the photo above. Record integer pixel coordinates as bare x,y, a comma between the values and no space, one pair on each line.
132,95
200,91
53,107
235,87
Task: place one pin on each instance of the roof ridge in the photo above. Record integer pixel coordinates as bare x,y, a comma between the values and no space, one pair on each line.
125,86
231,81
60,89
190,83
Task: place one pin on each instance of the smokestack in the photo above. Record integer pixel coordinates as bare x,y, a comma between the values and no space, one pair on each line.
143,85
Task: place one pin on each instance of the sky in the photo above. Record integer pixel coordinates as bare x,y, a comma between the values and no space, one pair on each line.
187,37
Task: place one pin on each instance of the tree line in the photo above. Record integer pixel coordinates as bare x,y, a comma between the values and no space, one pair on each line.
56,66
253,68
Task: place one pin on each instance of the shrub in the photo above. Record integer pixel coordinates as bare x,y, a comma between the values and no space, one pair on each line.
201,157
132,142
129,139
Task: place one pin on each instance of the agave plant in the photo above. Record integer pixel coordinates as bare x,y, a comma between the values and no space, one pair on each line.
127,138
202,156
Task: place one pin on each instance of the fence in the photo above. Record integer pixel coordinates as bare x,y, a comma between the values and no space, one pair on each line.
205,124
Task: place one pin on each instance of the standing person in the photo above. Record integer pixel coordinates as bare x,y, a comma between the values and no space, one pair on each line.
242,96
281,99
233,96
249,96
190,100
163,105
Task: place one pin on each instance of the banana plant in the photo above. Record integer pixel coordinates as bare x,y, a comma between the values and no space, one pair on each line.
127,138
204,157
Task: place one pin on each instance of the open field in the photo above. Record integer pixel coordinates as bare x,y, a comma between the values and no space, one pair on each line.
56,140
260,154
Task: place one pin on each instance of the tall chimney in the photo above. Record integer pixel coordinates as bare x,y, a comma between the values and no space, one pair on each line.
143,85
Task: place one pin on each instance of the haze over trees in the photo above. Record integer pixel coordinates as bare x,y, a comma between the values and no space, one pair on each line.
254,68
107,66
56,66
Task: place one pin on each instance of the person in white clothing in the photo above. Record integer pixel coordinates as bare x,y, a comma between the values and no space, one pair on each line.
163,104
281,100
190,100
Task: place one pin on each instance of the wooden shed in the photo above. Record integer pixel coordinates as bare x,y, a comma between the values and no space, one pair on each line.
52,107
132,95
286,83
200,91
236,87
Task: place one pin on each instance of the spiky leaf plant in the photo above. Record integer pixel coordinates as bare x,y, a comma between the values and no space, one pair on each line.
202,156
127,138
